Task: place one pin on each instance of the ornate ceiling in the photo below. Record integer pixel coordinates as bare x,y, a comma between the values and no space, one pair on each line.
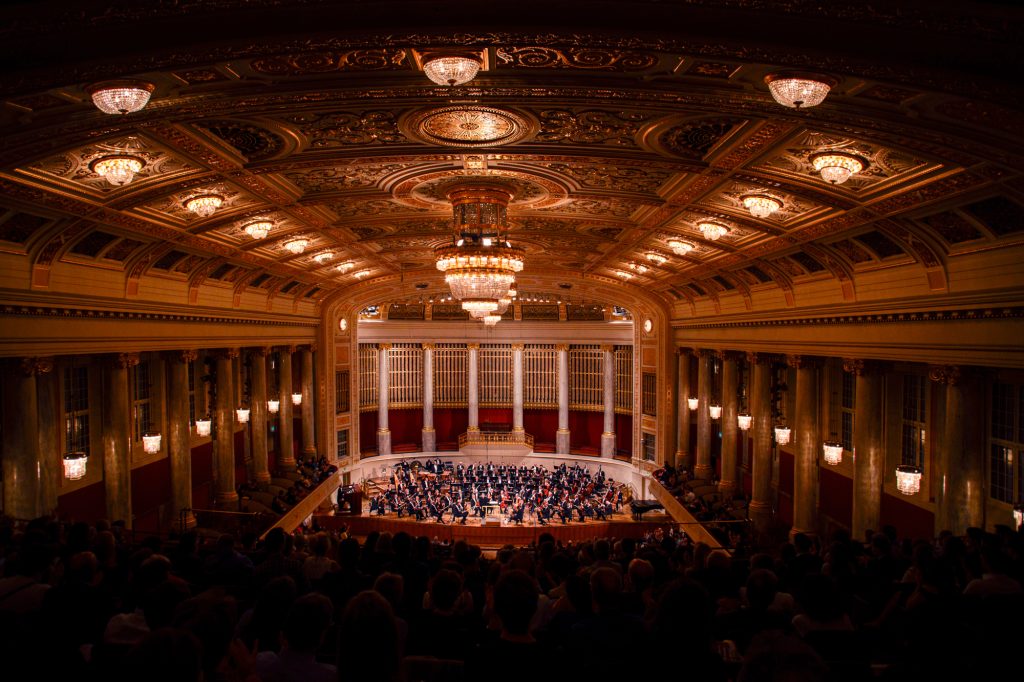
615,138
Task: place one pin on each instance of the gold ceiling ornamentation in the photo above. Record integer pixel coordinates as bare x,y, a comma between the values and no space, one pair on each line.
467,126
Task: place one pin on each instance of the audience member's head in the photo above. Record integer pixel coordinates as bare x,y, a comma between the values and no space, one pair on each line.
307,623
515,602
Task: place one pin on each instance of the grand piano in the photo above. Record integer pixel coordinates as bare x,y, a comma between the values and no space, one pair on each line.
641,507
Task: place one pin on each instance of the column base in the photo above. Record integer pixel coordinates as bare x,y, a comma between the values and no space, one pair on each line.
429,440
287,464
383,441
727,489
704,471
608,444
682,460
262,477
309,451
793,532
227,499
760,513
190,521
562,442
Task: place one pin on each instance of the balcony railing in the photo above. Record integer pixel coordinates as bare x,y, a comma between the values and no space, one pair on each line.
496,438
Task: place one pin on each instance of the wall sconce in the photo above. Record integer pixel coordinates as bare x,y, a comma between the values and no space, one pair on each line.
74,465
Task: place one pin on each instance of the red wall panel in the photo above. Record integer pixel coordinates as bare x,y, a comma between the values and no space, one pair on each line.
368,432
787,461
909,519
541,424
406,428
85,504
835,497
449,424
498,417
623,433
151,487
585,429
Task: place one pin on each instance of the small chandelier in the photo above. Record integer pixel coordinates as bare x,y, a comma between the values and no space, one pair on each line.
451,69
1018,515
908,479
258,229
296,246
203,427
833,451
481,264
273,406
151,442
692,403
478,314
118,169
639,267
322,258
657,258
361,274
345,267
680,248
483,305
622,274
205,204
712,231
715,411
799,90
837,167
743,421
74,465
120,97
491,320
296,399
782,434
243,415
761,205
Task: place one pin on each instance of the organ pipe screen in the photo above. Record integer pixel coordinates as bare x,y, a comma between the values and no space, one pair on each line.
586,378
624,379
495,375
405,376
540,377
367,377
649,395
451,375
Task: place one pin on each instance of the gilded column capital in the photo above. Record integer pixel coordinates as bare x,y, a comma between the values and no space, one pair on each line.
427,346
861,367
262,351
35,366
562,347
472,346
291,349
125,360
760,358
226,353
803,361
383,346
945,374
312,348
186,356
518,346
683,350
731,355
705,353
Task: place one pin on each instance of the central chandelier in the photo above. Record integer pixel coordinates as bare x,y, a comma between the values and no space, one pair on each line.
120,97
204,205
296,246
118,169
481,265
799,90
715,411
258,229
680,248
451,69
761,205
712,231
837,167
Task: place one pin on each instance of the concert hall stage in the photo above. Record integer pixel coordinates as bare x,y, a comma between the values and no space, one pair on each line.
493,536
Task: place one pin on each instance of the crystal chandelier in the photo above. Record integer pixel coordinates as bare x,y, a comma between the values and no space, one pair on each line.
491,320
273,406
242,413
715,411
118,169
782,434
203,427
837,167
712,231
258,229
833,451
451,69
1018,515
622,274
799,90
151,442
361,274
908,479
345,267
761,205
639,267
74,465
680,248
120,97
657,258
296,246
481,264
479,305
322,258
205,204
743,421
296,399
692,403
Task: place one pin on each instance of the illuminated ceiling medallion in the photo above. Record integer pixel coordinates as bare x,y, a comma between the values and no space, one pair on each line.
623,274
361,274
467,125
322,258
799,90
120,97
837,167
639,267
451,70
345,267
680,248
297,246
712,231
761,205
492,320
204,205
118,169
258,229
480,264
657,258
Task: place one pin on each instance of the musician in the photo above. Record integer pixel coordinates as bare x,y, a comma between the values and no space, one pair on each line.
518,509
459,512
565,512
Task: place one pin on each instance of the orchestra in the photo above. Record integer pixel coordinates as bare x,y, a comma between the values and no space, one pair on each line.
437,490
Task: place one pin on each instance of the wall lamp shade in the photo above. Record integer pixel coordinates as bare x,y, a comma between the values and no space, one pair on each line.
908,479
782,434
296,398
243,415
692,403
273,406
833,452
74,465
151,442
715,411
203,427
743,421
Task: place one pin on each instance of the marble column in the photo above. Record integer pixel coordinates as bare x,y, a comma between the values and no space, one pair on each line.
961,493
517,387
760,508
308,402
729,482
868,447
429,436
225,495
473,393
21,456
51,450
702,468
117,437
562,441
285,422
179,437
383,387
258,414
608,436
807,440
683,454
